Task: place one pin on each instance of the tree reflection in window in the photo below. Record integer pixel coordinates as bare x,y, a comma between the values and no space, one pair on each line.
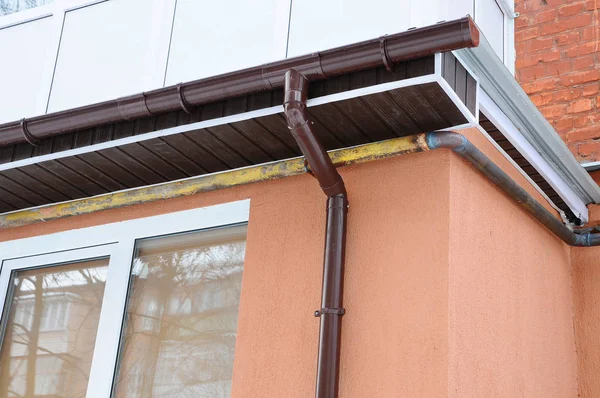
179,337
12,6
51,330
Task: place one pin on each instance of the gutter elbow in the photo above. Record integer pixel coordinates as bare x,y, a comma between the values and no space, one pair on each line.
447,139
294,108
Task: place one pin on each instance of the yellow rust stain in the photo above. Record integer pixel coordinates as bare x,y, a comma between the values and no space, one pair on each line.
227,179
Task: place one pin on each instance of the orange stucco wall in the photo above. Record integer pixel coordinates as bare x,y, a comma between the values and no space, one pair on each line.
586,292
509,296
450,289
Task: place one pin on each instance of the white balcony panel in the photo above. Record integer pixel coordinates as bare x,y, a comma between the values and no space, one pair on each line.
318,25
103,53
23,48
214,37
490,19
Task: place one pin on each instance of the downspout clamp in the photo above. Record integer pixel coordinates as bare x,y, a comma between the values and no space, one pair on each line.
321,166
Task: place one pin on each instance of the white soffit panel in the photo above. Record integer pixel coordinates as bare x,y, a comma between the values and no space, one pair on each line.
317,25
23,48
214,37
103,53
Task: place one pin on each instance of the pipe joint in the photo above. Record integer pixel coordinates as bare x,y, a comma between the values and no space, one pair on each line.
447,139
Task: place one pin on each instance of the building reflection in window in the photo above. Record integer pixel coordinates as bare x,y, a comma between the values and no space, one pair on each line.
51,329
180,330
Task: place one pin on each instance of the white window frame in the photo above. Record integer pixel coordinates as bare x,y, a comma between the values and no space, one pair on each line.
116,241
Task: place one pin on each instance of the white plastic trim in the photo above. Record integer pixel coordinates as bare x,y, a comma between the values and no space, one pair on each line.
498,83
508,129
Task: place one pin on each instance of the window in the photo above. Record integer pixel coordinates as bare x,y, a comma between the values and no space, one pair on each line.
139,308
45,347
12,6
188,348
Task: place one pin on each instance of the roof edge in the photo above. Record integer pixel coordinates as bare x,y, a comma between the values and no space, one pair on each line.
500,85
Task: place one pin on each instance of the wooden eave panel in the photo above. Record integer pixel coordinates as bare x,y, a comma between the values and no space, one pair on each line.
369,118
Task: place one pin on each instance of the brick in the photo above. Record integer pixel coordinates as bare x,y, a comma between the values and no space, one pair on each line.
580,21
542,99
582,105
584,134
589,148
567,38
526,60
591,89
555,27
591,5
523,21
539,85
532,73
553,3
538,44
558,68
566,95
553,111
590,33
583,63
571,9
550,56
544,16
563,124
588,120
526,34
579,77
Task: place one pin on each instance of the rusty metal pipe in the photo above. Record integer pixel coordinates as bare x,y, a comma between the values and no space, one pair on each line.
332,309
465,149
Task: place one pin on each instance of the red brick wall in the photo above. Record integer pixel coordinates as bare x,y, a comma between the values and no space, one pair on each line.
557,44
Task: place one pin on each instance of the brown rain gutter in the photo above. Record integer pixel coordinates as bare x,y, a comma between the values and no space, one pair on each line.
321,166
384,51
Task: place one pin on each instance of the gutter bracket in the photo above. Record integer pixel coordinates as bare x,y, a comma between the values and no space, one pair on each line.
27,135
385,57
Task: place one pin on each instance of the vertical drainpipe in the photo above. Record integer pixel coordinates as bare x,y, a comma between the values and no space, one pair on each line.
295,94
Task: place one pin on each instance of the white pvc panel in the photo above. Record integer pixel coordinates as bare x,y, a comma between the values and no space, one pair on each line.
214,37
23,48
430,12
490,20
103,53
318,25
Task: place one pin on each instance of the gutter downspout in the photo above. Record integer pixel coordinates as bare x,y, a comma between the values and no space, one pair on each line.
332,310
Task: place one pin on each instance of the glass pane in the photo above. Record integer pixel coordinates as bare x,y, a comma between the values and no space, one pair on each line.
12,6
179,339
51,330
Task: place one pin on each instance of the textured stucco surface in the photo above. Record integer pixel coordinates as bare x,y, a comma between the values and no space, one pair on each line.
586,294
395,329
510,303
450,289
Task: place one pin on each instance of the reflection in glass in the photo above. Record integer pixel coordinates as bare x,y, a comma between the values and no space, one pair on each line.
12,6
179,338
51,330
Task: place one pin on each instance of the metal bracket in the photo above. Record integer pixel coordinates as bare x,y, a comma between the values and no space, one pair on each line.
334,311
27,135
